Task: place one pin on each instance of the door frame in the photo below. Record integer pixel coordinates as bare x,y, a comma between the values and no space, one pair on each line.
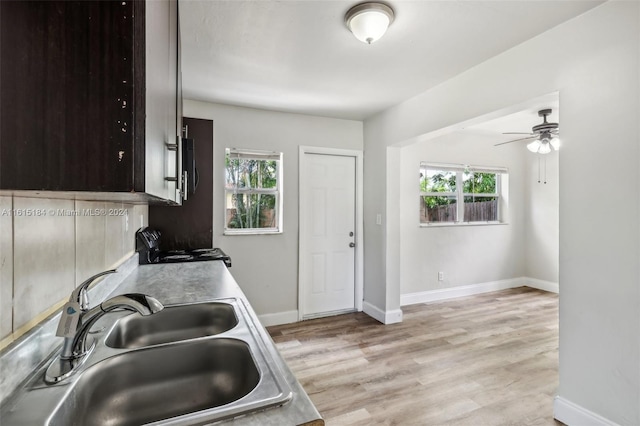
359,222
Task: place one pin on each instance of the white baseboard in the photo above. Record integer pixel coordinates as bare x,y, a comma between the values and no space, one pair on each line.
542,285
470,290
278,318
574,415
373,311
289,317
392,317
461,291
385,317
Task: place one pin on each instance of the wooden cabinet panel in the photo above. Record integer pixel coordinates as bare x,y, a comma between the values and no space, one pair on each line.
74,96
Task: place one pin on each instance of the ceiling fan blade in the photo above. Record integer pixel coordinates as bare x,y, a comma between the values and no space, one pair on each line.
518,133
516,140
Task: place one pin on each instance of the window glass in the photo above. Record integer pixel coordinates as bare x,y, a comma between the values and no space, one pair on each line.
480,196
458,193
251,173
253,195
438,181
439,209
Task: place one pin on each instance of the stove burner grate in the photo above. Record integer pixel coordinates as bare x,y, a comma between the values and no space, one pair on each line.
177,257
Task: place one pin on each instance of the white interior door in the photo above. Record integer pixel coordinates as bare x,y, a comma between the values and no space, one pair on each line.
327,228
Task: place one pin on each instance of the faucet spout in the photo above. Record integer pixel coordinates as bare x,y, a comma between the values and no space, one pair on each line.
140,303
76,348
136,302
80,293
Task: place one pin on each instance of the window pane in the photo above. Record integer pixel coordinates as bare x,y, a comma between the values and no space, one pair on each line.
249,173
480,209
437,181
231,173
251,211
266,174
479,183
438,209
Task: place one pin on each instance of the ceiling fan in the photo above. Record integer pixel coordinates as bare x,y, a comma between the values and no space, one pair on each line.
544,135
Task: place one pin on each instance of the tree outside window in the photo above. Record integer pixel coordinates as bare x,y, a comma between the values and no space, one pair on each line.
253,192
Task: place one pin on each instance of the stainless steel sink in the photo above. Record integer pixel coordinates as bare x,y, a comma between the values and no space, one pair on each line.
174,323
188,375
160,383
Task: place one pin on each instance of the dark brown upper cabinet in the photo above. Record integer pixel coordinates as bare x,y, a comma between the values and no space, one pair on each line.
89,98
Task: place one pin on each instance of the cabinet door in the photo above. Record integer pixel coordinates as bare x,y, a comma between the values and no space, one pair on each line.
66,116
161,79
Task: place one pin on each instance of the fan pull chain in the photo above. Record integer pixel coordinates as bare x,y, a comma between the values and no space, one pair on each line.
538,169
545,170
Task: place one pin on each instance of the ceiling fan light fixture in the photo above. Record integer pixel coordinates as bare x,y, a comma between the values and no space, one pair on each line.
545,148
369,21
545,135
534,146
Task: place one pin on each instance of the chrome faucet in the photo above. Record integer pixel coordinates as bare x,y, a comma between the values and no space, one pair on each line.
140,303
78,304
77,319
80,294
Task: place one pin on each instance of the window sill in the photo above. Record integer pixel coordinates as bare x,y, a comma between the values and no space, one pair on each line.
252,232
462,224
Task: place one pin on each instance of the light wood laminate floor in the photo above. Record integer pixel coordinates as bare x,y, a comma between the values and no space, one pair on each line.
489,359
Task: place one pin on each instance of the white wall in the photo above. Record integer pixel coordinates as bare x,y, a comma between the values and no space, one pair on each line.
465,254
592,61
266,266
542,227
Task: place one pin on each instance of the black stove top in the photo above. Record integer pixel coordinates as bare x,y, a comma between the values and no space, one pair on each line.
148,248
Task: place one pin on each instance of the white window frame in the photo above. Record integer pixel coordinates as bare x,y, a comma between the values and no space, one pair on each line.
501,192
237,153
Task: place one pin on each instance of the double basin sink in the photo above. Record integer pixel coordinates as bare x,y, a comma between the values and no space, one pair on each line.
187,364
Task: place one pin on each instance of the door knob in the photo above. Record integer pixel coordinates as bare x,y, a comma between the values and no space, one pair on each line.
352,244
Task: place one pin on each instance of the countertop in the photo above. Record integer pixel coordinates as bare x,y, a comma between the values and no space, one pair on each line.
177,283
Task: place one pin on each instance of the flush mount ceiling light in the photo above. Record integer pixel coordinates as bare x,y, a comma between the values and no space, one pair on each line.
369,21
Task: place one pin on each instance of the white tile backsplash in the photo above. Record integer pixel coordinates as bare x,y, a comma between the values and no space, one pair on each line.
90,241
6,266
44,257
114,238
135,213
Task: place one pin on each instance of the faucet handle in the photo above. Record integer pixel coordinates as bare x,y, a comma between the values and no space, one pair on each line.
80,295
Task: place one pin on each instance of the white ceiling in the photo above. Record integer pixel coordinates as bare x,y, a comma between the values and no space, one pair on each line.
298,56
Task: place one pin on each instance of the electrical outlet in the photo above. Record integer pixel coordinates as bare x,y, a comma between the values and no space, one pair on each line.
379,219
440,276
